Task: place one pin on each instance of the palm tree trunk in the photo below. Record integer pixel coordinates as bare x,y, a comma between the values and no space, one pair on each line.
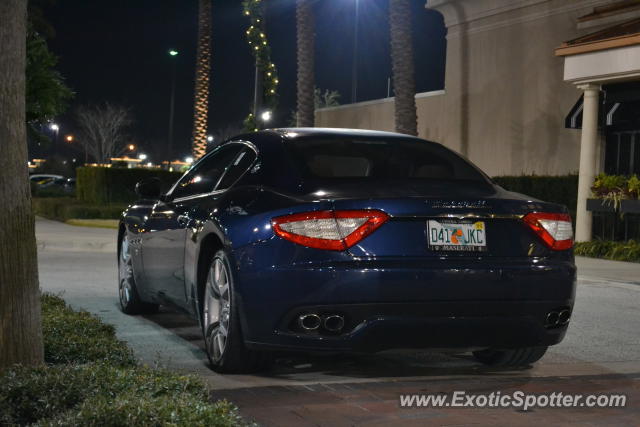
203,70
20,328
402,66
306,52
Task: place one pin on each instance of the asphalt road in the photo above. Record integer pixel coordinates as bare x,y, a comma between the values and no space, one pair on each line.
602,347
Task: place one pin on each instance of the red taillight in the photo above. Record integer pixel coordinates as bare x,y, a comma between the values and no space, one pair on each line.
331,230
553,228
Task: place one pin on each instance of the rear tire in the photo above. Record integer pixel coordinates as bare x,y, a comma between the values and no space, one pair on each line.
510,358
223,337
130,302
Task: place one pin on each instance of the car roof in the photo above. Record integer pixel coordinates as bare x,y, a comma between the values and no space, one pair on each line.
295,133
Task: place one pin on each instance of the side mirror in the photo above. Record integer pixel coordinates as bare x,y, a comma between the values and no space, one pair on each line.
149,188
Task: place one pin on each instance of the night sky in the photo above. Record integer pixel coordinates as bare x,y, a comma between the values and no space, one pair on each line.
116,51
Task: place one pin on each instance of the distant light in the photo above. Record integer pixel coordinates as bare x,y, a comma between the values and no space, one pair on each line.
54,126
188,159
142,157
131,147
69,138
266,116
173,52
149,164
210,138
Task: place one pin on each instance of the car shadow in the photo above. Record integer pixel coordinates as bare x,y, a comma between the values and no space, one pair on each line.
302,366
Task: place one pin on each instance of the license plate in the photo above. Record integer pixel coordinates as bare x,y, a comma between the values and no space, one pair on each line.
456,236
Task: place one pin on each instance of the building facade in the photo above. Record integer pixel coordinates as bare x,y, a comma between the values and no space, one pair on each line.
506,104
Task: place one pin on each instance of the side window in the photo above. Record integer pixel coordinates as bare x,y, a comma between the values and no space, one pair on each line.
204,175
239,166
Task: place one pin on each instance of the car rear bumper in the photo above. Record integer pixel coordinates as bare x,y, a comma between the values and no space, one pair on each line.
377,327
401,303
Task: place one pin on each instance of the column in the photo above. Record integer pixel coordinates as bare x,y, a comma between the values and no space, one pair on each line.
588,156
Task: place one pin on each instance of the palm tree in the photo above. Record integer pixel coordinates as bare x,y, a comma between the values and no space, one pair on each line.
402,66
203,69
305,27
20,328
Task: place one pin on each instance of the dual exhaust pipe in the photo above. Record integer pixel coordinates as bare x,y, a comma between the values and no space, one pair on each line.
310,322
558,317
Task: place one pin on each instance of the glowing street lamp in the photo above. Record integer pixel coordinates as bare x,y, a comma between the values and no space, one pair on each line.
173,52
131,147
69,138
189,160
54,127
209,138
266,116
142,156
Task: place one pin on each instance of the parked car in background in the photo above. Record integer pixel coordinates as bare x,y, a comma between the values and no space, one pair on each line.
53,183
334,240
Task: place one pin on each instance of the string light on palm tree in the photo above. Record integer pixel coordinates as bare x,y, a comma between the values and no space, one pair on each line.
259,45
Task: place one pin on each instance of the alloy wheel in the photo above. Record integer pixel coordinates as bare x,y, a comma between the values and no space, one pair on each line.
217,309
125,273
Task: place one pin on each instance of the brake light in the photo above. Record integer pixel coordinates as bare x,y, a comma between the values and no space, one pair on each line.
330,230
553,228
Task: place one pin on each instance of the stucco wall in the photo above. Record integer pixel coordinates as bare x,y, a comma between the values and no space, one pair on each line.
505,99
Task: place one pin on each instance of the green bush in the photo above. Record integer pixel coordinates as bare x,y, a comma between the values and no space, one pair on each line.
555,189
64,208
93,379
100,185
79,337
102,394
617,251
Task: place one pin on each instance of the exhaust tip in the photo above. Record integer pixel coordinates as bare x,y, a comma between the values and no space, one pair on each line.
564,317
309,321
552,318
333,323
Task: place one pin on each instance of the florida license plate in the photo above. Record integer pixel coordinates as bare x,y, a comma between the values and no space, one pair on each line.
444,235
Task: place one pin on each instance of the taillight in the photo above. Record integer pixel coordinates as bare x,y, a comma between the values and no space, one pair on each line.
553,228
331,230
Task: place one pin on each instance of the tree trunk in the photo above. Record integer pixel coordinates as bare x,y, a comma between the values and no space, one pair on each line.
306,53
402,66
20,328
203,70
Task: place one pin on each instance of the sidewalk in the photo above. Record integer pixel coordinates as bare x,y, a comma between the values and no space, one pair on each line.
628,272
59,236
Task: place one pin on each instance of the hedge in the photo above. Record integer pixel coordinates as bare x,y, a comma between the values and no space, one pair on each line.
100,185
92,378
618,251
555,189
64,208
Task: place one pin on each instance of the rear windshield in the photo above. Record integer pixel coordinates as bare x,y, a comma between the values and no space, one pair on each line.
381,159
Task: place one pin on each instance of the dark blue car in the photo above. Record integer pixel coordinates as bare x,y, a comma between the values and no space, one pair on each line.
327,240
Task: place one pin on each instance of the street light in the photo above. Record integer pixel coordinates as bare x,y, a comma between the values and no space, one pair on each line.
142,156
54,127
69,138
209,138
173,53
131,147
188,160
266,116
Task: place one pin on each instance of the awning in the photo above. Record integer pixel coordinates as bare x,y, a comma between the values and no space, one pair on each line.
619,108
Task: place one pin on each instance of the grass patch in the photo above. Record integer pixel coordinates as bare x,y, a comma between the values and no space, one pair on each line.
65,208
92,378
97,223
617,251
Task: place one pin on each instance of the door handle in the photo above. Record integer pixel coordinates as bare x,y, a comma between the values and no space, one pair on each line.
183,220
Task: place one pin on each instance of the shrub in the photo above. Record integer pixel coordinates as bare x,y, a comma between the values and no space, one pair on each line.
100,185
79,337
617,251
93,379
555,189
